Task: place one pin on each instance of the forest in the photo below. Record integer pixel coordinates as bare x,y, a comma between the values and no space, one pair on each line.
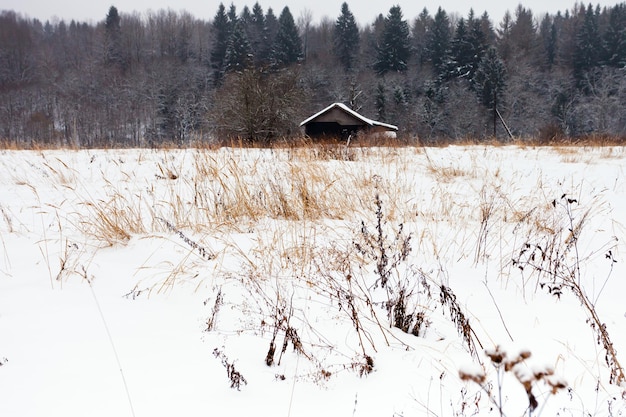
252,75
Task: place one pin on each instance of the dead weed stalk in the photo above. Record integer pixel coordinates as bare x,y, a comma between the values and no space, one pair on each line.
448,299
555,260
530,380
234,376
202,251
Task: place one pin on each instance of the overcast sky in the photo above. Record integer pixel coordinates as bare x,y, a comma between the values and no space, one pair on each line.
364,11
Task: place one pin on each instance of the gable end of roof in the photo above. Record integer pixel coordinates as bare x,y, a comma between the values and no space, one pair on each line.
352,113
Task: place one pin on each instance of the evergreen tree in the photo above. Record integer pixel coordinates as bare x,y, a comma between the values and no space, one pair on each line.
477,43
111,24
113,38
271,25
399,111
270,30
490,78
587,50
256,32
258,18
246,17
467,49
422,26
381,102
221,30
566,27
287,48
239,53
438,43
548,34
459,47
346,38
394,49
614,39
232,17
486,27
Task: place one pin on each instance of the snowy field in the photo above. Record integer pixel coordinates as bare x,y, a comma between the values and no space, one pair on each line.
313,282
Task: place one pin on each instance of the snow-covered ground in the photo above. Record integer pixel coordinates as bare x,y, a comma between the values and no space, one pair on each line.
148,282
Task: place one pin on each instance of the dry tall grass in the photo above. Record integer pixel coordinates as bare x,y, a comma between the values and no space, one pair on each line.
284,221
233,188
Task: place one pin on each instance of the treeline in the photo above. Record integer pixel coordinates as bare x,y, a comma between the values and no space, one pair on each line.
253,75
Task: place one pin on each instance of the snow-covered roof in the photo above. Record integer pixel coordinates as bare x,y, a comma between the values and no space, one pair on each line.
351,112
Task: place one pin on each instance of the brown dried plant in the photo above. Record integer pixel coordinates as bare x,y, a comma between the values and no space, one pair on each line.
504,363
553,256
237,380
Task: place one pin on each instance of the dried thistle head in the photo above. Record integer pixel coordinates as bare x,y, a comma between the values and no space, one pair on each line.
542,373
510,363
524,376
497,355
477,377
556,384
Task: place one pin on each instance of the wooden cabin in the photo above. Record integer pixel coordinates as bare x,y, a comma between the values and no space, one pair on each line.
339,121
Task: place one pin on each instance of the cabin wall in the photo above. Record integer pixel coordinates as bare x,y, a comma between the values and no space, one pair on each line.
331,130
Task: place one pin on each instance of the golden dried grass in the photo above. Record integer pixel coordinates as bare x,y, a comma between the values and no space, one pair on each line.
116,218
